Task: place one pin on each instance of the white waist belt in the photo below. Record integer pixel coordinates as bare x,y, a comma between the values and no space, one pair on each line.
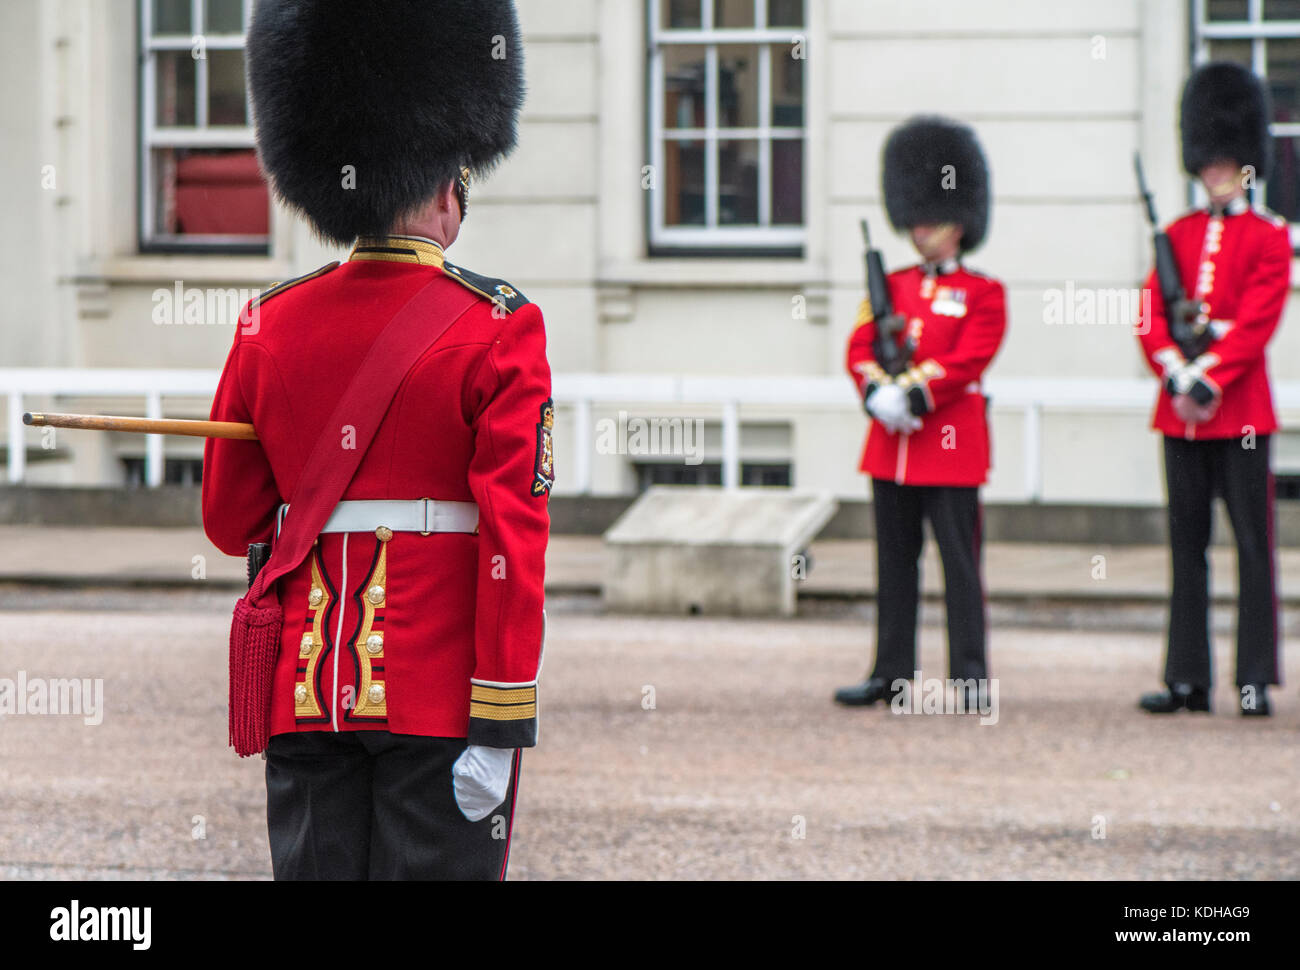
424,516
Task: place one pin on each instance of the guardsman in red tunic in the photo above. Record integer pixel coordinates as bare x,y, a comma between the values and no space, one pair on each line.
928,449
406,680
1215,407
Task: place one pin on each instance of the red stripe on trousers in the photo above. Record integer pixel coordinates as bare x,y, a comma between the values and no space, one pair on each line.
514,798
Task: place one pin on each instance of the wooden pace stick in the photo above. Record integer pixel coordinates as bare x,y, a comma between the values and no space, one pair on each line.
187,429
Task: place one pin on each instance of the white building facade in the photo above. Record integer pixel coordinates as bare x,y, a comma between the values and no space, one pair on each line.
684,203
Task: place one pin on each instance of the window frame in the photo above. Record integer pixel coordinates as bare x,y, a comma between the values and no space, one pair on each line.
201,135
1256,30
712,238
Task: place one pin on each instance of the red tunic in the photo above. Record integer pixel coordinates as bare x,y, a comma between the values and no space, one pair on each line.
1240,265
453,646
957,321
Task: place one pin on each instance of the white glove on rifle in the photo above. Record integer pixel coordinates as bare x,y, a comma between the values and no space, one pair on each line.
890,407
1171,362
1186,379
480,779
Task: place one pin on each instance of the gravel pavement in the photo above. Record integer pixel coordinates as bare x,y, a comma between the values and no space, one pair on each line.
681,749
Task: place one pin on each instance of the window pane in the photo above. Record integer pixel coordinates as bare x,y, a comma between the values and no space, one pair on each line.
1219,10
738,183
733,13
684,86
172,17
681,14
684,196
226,102
1237,51
667,473
787,87
175,89
785,13
765,475
787,182
738,86
1283,59
1282,195
1282,9
225,16
209,193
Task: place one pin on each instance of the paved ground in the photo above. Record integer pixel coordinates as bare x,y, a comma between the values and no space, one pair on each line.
1053,586
184,557
741,753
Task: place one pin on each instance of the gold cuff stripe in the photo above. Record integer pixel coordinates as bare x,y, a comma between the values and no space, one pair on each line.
921,375
932,369
487,712
497,695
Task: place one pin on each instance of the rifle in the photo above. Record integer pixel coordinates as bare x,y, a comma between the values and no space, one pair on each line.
892,358
1189,322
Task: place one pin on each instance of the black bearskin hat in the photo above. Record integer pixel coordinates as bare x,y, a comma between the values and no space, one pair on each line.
405,92
1225,116
921,188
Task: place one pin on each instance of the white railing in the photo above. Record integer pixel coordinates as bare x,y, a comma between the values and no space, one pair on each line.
728,395
151,386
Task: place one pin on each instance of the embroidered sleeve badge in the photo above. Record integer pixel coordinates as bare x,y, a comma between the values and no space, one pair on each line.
544,467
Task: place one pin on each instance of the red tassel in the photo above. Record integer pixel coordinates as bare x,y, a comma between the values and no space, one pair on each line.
254,643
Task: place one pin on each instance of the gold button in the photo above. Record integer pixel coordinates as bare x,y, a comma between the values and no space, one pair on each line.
300,693
384,534
308,643
376,694
375,595
375,643
316,596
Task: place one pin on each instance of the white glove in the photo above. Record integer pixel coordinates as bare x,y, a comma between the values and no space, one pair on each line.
480,778
1171,362
890,407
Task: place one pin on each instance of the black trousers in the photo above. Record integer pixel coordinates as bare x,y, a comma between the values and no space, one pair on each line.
374,805
1195,472
956,519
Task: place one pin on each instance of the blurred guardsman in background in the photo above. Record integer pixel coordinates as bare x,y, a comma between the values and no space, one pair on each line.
406,680
1215,406
917,358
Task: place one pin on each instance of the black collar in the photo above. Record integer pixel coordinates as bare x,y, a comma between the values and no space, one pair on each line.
398,249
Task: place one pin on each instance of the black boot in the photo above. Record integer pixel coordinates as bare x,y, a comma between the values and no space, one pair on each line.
865,694
1254,701
1179,697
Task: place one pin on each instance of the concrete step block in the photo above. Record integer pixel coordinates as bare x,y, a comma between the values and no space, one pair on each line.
712,551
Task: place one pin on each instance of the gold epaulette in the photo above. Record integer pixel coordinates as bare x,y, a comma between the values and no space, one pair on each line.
498,291
290,284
